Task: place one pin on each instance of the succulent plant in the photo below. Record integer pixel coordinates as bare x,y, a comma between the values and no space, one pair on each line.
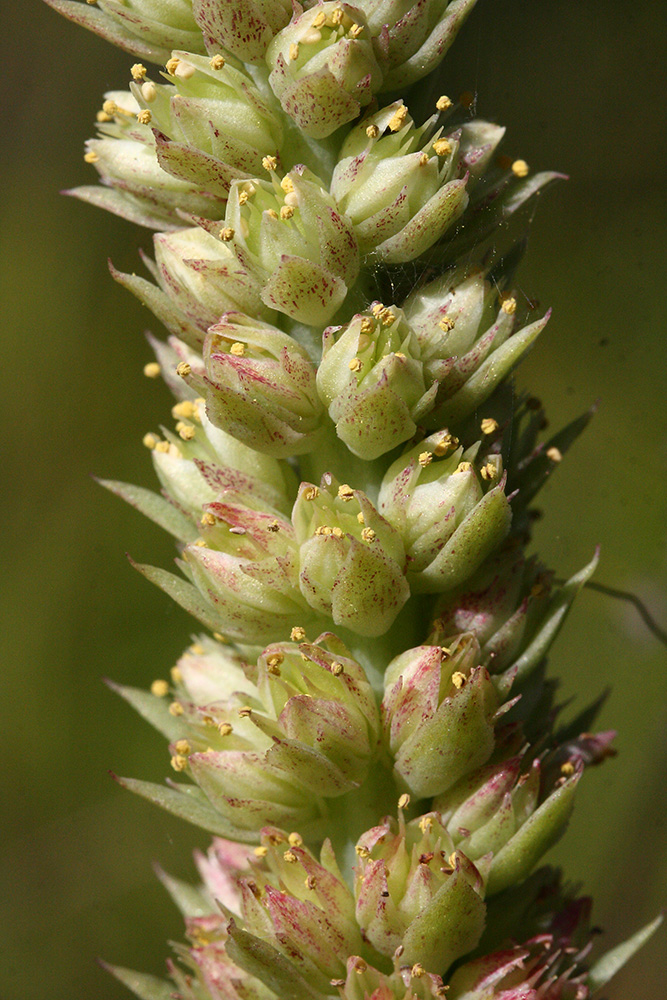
347,462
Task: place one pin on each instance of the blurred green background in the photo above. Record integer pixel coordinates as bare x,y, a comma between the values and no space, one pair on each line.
581,89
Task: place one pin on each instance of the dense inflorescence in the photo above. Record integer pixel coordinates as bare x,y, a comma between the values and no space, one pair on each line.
365,724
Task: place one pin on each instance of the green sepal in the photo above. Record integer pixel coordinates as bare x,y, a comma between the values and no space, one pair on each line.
188,803
155,507
540,832
151,708
267,964
143,985
608,965
181,591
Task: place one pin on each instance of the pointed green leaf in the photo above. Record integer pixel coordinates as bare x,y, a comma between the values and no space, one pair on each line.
607,966
154,507
141,984
192,806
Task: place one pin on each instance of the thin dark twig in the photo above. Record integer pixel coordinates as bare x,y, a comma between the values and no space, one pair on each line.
637,603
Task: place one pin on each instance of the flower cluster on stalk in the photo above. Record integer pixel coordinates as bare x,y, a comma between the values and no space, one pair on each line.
365,724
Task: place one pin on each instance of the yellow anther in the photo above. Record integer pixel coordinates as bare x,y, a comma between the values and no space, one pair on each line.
443,103
367,534
359,966
337,669
269,163
355,365
162,447
110,108
183,369
287,184
183,747
400,356
452,859
554,454
508,305
337,532
567,768
225,729
360,517
274,660
345,492
445,652
463,467
417,971
444,444
148,91
294,51
290,857
102,116
216,62
356,30
286,212
336,15
520,168
243,197
176,708
319,20
377,309
423,160
227,234
90,157
245,712
388,317
310,882
467,99
298,634
311,493
176,675
362,852
237,349
372,131
397,119
295,840
197,649
425,824
152,370
324,529
207,519
404,801
184,70
273,526
185,408
160,689
179,762
489,425
219,637
488,471
138,72
172,65
425,458
458,679
367,325
446,324
443,147
144,117
185,431
260,852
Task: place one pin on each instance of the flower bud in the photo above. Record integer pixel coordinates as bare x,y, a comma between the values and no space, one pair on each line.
291,236
518,808
299,918
449,507
439,711
149,29
209,123
400,185
350,558
247,571
134,184
468,343
243,27
323,67
511,607
259,386
412,39
372,380
415,893
265,743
